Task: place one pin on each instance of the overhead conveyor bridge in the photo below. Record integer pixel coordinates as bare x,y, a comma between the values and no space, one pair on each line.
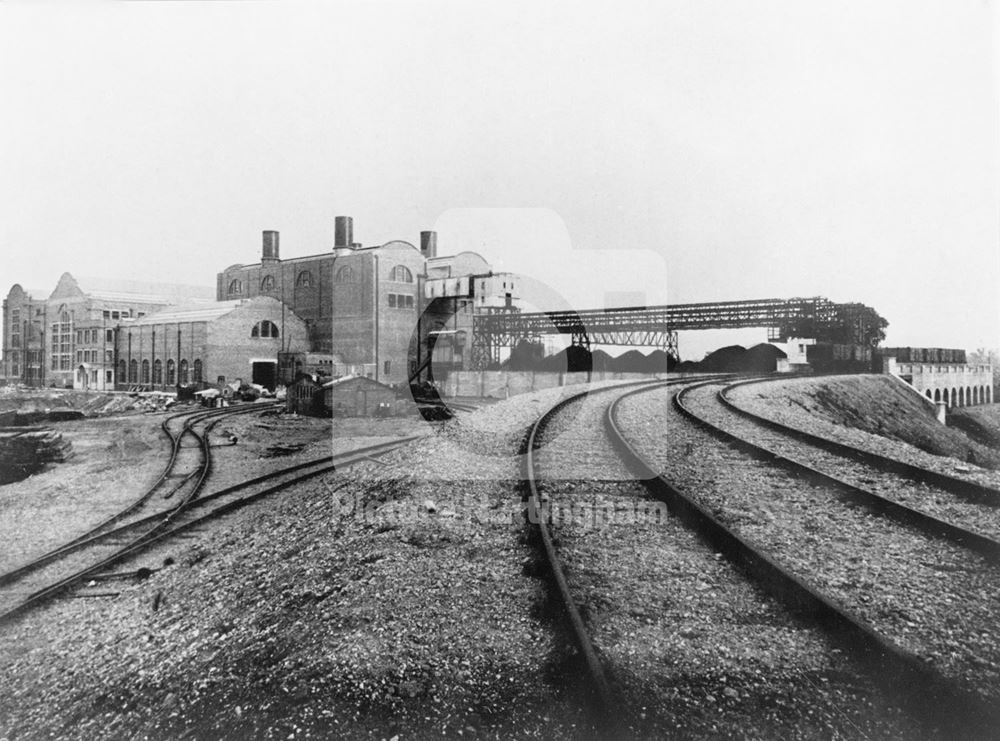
657,326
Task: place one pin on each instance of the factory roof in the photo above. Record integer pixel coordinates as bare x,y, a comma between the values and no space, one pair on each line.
338,381
127,290
128,297
191,312
128,285
331,255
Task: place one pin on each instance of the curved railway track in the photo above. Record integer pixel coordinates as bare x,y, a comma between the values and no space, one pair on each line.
662,580
132,528
969,490
811,459
917,605
145,501
209,507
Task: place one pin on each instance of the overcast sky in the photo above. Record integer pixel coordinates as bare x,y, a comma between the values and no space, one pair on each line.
693,151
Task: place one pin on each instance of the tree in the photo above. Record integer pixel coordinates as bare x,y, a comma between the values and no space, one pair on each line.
984,355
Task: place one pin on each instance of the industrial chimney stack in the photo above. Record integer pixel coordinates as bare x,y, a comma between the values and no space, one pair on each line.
343,232
270,247
428,244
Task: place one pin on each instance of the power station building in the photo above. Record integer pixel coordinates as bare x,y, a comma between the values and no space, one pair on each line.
366,307
366,311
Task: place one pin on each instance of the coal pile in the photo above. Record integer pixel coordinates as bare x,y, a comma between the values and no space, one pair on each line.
525,356
724,360
575,359
762,358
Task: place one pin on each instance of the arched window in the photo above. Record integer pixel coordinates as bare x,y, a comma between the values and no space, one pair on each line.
183,375
264,329
121,371
929,394
236,286
267,283
157,371
954,397
196,377
171,376
145,371
401,274
305,279
345,275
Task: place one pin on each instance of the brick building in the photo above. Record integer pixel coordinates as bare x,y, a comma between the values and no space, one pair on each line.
216,342
368,311
67,338
362,305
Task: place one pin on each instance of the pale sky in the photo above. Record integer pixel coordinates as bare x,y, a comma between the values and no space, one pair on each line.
691,151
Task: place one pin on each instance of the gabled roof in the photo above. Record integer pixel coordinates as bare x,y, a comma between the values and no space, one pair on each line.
336,381
127,290
344,380
191,312
205,311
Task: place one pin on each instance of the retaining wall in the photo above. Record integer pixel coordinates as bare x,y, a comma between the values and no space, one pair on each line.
501,384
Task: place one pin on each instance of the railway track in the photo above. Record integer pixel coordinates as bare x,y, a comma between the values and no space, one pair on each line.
168,483
144,521
645,620
210,507
940,510
919,606
971,491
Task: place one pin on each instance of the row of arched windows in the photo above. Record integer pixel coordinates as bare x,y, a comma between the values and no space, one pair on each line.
962,396
182,373
346,274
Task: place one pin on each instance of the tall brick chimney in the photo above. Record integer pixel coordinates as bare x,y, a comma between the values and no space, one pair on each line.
428,244
343,232
269,253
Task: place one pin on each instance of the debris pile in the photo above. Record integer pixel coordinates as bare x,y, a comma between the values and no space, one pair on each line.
29,450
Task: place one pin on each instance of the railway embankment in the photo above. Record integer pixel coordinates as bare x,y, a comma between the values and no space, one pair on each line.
871,412
981,423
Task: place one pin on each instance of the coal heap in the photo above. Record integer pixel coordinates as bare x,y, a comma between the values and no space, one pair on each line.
724,360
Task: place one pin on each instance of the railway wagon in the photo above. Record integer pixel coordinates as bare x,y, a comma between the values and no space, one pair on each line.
924,354
831,358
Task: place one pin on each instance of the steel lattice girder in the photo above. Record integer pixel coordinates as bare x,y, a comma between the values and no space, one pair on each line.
651,326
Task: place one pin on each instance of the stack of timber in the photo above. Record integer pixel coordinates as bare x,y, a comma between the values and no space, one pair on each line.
26,449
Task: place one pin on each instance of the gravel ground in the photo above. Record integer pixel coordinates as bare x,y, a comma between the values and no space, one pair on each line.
793,402
929,498
694,648
115,459
390,601
930,597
